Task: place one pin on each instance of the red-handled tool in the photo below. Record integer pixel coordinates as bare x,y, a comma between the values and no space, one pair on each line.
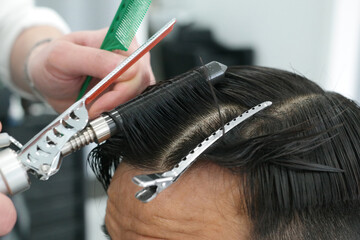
128,62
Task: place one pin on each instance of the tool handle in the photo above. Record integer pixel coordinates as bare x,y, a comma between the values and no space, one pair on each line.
128,62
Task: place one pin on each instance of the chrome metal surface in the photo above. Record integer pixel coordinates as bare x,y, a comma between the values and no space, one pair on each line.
153,184
6,140
101,129
215,71
42,153
97,131
13,175
79,140
15,142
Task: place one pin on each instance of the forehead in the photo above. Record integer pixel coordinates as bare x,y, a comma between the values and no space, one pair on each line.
205,197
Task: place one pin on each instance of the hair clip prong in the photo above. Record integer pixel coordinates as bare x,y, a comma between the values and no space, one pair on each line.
155,183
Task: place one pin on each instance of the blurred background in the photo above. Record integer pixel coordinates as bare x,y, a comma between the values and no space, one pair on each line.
318,39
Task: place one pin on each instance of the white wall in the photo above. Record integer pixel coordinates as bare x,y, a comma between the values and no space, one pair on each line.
287,34
344,60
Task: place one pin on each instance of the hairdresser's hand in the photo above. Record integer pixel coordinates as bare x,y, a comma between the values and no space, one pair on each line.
7,213
58,69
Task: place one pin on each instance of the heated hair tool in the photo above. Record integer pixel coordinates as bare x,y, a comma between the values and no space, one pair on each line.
106,125
43,153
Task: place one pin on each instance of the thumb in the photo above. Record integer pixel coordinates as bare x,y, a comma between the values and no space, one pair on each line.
76,60
87,38
7,215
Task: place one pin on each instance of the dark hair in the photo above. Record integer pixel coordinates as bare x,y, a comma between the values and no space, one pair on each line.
297,161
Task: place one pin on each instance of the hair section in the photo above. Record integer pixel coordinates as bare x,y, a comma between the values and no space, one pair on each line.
297,161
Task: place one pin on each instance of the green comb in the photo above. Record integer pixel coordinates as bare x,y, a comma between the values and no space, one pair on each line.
122,30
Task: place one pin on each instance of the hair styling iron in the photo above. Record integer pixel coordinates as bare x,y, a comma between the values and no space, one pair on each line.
70,131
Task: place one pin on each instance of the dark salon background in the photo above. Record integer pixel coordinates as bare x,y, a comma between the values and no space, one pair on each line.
318,39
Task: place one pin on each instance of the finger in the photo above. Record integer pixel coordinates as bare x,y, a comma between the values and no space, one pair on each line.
123,92
128,75
75,60
149,70
0,126
132,48
7,215
87,38
152,78
95,39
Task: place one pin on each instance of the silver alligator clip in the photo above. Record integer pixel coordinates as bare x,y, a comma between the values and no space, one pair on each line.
153,184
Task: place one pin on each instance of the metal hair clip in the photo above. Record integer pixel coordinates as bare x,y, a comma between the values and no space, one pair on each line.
153,184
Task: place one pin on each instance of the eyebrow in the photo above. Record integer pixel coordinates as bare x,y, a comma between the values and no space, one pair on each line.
105,231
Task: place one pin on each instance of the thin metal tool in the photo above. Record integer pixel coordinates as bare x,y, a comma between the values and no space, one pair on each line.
42,154
128,62
153,184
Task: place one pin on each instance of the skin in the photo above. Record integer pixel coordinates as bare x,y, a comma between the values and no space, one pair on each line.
58,68
202,204
7,213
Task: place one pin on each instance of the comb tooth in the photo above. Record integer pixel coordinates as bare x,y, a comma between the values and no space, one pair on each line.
122,30
130,21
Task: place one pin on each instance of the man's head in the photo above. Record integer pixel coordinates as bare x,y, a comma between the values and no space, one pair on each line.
290,172
185,210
